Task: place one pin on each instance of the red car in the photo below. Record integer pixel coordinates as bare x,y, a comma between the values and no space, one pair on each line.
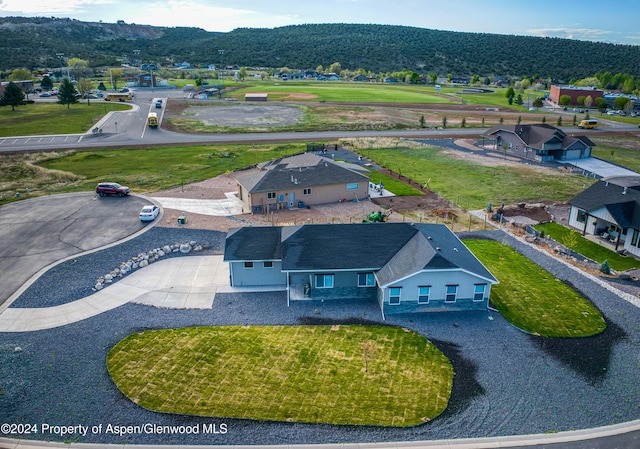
112,188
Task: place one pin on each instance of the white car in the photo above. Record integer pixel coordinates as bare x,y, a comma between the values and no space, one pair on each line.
149,213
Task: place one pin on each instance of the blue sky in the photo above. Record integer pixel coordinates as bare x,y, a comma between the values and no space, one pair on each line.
615,22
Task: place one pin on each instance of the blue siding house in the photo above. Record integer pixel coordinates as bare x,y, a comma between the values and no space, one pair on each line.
404,267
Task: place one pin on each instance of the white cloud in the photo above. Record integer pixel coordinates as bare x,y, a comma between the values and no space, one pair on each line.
585,34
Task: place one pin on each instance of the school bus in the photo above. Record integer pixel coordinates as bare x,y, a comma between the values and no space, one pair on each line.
118,96
588,124
152,120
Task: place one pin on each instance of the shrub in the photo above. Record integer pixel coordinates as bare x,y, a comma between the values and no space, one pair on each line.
604,267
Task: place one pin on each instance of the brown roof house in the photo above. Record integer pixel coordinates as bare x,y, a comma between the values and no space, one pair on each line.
298,181
539,142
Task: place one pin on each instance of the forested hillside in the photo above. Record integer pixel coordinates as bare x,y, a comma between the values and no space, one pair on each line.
34,42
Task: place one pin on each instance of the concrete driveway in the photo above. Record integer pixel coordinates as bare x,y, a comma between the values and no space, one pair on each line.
38,232
232,205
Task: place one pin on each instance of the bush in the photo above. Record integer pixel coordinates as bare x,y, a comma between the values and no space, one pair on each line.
604,267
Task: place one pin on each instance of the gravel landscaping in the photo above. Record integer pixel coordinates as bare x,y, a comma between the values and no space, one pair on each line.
506,382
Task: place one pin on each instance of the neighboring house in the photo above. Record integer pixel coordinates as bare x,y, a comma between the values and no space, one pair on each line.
390,79
540,142
404,267
298,181
610,208
361,78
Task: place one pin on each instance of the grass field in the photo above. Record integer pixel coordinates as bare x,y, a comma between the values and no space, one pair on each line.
573,239
345,92
53,118
618,150
143,170
357,375
477,185
532,299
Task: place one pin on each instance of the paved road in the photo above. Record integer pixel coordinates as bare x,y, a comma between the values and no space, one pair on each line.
129,128
38,232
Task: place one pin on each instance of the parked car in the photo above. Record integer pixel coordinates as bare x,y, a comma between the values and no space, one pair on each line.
45,94
112,188
149,213
158,105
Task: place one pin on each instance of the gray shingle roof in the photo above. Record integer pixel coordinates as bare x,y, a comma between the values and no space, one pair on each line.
619,195
253,243
393,250
538,134
303,170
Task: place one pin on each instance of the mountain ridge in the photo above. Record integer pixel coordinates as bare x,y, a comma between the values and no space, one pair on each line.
34,42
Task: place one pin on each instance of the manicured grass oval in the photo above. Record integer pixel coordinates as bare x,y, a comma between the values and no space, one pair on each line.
531,298
362,375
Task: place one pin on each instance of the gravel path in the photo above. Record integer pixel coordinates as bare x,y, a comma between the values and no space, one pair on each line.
506,382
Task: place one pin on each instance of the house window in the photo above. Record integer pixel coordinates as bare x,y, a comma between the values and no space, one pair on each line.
248,264
423,294
307,191
324,281
394,295
353,186
271,195
268,264
478,292
366,280
634,237
452,292
581,217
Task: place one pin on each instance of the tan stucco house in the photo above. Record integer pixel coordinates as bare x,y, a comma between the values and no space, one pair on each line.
299,181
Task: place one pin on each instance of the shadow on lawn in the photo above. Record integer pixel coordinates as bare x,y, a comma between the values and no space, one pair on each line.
587,356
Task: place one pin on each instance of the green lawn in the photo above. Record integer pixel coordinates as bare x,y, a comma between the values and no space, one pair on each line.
531,298
153,169
573,239
399,188
53,118
357,375
356,92
477,185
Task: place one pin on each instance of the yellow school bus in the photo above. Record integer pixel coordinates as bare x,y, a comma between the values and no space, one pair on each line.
588,124
118,96
152,120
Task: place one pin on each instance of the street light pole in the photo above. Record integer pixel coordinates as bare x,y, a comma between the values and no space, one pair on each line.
61,58
221,53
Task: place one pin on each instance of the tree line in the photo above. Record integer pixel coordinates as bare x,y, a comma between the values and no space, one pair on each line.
34,43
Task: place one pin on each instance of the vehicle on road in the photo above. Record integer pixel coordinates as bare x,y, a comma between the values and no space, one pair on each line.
152,120
588,124
112,188
149,213
158,104
119,96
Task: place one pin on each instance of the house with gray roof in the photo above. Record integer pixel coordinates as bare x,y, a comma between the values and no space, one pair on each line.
404,267
299,181
539,142
610,208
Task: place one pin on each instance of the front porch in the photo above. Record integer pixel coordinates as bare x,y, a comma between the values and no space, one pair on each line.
607,240
304,292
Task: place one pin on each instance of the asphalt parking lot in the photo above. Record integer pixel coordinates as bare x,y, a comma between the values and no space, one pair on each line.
38,232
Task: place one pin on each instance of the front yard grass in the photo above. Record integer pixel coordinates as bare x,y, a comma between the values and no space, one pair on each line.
356,375
531,299
574,240
52,118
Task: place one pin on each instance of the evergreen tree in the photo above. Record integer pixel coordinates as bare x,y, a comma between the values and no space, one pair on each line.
12,96
46,83
67,93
